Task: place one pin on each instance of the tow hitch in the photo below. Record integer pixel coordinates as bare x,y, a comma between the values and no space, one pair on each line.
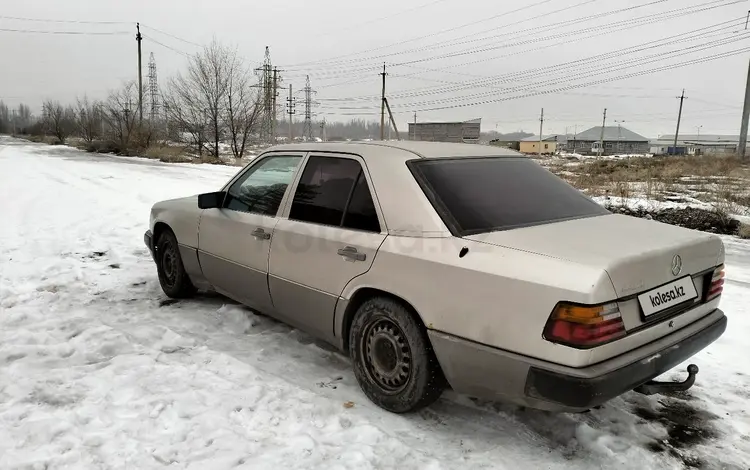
653,387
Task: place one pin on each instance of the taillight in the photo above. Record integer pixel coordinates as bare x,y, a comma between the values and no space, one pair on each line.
584,326
717,284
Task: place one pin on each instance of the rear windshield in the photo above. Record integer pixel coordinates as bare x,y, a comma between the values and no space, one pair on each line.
475,195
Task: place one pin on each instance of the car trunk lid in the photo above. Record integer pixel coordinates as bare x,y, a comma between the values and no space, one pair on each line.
638,255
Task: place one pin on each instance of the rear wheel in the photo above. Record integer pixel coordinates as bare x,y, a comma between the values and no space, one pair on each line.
172,276
393,361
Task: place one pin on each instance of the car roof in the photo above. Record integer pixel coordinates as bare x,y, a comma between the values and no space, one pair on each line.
405,208
419,149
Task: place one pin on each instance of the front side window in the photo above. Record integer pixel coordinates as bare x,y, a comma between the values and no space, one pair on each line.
261,189
476,195
334,191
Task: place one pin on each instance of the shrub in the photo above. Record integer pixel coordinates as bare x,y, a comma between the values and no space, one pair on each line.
744,231
103,146
212,160
167,154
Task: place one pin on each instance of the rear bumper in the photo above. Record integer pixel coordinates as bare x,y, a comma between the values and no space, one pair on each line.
148,239
493,374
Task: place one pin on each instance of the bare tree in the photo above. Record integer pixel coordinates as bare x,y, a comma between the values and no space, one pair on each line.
24,117
120,115
185,116
197,99
5,124
59,120
243,108
89,119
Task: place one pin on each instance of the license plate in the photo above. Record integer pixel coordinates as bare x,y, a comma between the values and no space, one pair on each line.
668,295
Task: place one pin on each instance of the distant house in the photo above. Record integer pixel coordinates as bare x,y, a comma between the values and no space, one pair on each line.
617,140
550,144
696,144
459,132
511,144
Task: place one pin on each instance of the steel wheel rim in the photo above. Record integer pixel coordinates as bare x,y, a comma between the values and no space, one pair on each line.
387,356
169,264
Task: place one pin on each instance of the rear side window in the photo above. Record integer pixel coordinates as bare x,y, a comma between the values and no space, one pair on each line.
361,214
334,191
475,195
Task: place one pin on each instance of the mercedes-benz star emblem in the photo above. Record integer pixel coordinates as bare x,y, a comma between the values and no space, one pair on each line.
676,265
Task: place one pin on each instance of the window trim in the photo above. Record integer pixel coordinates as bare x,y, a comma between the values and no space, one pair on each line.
253,165
363,171
447,217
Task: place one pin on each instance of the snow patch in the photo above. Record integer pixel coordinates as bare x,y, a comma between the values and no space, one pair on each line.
95,373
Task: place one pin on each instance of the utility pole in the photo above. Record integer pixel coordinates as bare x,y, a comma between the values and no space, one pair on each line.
619,133
601,138
275,94
382,107
742,150
415,125
138,39
541,127
679,118
392,121
166,118
323,129
14,122
290,110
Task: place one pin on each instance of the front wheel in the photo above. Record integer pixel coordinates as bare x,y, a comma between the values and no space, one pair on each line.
393,360
172,276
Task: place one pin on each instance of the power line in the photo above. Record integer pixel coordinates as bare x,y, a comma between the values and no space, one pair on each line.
72,33
649,20
452,42
375,20
605,29
606,80
40,20
168,47
172,36
542,2
604,32
580,64
598,70
700,60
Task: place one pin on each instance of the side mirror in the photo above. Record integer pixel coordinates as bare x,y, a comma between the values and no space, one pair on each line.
211,200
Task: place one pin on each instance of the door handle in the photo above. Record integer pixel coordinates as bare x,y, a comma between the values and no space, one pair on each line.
351,253
261,234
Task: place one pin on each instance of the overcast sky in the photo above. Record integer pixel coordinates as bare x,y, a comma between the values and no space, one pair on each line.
448,60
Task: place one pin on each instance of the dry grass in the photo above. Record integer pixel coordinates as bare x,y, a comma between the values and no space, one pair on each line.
49,140
717,180
744,231
664,169
212,160
167,154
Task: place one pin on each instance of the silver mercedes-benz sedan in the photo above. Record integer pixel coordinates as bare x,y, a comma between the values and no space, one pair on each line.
437,264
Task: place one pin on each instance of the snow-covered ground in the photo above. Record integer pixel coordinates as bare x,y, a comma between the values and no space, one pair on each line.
99,370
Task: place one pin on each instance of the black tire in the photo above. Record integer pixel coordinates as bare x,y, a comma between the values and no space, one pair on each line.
172,276
392,357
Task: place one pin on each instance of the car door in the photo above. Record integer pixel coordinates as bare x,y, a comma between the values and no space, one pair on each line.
234,240
328,235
